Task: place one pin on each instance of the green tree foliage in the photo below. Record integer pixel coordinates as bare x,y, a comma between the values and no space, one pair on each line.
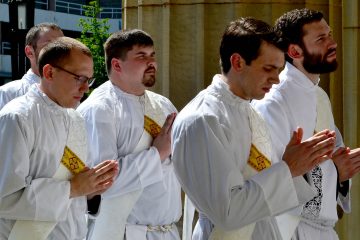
94,33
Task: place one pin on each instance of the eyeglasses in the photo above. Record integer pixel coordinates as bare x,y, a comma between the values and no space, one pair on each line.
79,78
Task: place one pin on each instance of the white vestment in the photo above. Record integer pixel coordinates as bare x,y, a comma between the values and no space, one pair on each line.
291,104
17,88
34,131
211,144
115,124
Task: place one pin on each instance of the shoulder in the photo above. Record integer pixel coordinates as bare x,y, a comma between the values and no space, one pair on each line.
20,109
11,90
197,114
14,87
162,100
11,85
100,101
158,97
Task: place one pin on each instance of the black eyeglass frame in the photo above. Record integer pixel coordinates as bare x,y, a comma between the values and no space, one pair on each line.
80,79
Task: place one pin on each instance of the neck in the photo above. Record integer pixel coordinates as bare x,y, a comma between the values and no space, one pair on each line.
45,89
313,77
35,69
128,88
234,85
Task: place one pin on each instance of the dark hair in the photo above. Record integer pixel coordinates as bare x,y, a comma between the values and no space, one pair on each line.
33,34
119,43
58,50
289,26
244,36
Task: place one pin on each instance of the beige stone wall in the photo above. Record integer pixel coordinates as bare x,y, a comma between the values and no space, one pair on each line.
187,35
350,104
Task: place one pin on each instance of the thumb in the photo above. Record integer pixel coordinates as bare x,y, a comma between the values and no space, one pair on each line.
294,139
85,169
300,134
340,151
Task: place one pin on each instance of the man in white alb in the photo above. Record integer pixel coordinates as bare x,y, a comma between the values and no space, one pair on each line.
299,101
128,123
36,38
222,149
44,181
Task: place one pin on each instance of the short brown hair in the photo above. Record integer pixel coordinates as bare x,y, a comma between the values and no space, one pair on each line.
244,36
57,51
32,35
119,43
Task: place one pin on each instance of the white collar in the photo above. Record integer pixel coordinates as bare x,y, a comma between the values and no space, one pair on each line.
291,73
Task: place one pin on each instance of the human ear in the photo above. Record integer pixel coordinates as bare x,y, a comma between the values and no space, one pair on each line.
115,65
29,52
237,62
294,51
47,72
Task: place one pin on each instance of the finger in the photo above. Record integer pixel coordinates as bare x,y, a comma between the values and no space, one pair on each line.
104,163
357,170
354,153
323,148
101,188
328,142
113,167
316,139
173,119
339,151
85,169
355,161
104,186
106,182
168,123
332,134
356,164
321,133
107,176
105,166
348,149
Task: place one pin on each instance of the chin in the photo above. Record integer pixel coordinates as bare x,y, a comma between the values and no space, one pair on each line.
259,97
72,105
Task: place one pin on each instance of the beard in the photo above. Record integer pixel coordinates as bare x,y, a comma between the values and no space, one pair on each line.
317,64
149,79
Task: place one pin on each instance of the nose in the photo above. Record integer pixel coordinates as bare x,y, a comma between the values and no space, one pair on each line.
274,79
84,87
332,44
152,62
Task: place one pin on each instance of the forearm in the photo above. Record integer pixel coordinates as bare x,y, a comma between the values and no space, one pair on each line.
137,171
44,199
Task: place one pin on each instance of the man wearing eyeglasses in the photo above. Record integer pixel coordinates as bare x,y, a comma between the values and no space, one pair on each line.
128,123
37,37
44,179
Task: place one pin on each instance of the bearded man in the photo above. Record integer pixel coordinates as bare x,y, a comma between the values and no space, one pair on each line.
299,101
128,123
